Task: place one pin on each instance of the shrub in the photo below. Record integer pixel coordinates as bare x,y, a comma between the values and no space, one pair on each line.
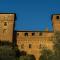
7,53
27,57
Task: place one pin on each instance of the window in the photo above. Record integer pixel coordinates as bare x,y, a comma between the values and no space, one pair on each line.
40,34
33,34
57,17
26,34
17,34
5,23
40,46
30,46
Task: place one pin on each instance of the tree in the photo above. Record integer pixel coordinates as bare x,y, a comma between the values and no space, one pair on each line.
57,44
31,57
27,57
46,55
7,53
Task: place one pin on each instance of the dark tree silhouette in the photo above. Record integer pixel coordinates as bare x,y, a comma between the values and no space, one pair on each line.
57,45
46,55
7,53
23,53
27,57
31,57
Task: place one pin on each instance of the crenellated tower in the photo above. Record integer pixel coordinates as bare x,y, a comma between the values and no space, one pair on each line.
56,22
6,26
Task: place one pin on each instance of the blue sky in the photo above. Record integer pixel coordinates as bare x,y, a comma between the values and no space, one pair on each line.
31,15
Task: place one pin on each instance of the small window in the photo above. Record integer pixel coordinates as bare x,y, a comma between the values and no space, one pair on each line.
40,34
17,34
33,34
5,23
30,46
57,17
22,46
40,46
26,34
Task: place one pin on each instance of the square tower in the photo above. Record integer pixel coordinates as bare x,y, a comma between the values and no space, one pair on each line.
6,26
56,22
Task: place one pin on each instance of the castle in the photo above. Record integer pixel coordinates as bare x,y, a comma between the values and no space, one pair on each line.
30,41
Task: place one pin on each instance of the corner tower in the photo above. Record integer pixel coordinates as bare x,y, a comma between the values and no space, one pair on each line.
6,26
56,22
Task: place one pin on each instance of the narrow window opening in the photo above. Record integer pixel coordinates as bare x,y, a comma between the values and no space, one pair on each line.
30,46
17,34
57,17
33,34
40,34
26,34
40,46
5,23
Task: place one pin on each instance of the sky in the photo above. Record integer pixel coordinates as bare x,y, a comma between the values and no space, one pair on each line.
32,15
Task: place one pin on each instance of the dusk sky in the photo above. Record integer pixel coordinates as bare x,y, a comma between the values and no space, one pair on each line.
32,15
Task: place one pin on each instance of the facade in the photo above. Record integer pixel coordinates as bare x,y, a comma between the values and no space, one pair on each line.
31,42
34,41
